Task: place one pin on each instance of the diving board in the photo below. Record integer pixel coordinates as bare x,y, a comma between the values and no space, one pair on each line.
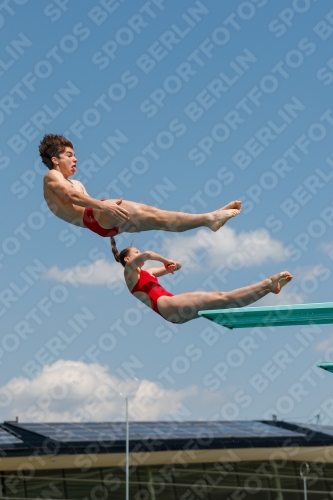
326,366
281,315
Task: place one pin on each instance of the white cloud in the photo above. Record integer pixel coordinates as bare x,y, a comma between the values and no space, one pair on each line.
99,272
225,247
311,272
282,298
73,391
327,248
326,344
307,280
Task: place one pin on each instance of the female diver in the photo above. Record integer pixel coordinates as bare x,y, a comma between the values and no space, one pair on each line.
143,284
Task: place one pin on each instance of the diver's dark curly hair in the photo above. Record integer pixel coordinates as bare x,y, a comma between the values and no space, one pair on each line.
52,145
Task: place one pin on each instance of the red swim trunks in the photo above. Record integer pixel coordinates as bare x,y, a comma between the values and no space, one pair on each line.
91,223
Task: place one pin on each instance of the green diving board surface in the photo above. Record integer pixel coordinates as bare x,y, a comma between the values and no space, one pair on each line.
326,366
282,315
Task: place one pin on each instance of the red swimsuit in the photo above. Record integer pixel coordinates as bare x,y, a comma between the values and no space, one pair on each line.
91,223
149,284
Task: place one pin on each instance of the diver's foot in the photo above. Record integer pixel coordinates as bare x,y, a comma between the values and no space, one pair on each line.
233,204
221,216
278,281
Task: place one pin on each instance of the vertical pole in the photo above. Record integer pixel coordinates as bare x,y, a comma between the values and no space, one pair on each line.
304,472
279,495
127,452
305,489
151,484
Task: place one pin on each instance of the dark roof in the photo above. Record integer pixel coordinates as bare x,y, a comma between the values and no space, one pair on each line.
79,432
18,439
7,439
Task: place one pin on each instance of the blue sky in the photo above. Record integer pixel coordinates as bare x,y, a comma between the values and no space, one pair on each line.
185,106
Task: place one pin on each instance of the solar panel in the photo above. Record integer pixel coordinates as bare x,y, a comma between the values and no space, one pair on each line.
75,432
323,429
232,429
7,439
116,431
